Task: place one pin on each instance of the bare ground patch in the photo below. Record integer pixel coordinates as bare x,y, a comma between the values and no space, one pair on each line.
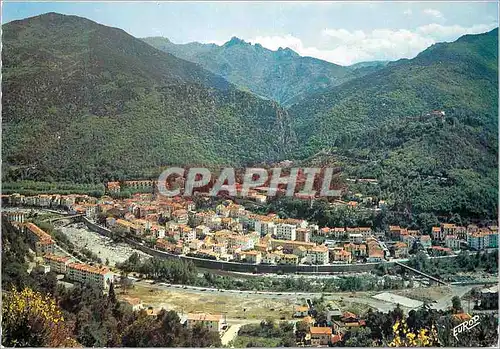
427,294
234,306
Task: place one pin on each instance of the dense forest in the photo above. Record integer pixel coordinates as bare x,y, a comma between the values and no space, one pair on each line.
425,128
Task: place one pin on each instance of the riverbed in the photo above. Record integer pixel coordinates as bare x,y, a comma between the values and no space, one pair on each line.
104,247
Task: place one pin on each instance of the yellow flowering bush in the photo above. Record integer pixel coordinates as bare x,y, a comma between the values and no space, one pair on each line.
32,319
403,337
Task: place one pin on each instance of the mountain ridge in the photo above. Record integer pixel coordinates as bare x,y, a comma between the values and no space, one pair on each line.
87,102
82,85
385,121
281,75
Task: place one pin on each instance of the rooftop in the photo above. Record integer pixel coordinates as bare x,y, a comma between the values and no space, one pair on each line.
204,317
55,258
88,268
38,232
321,330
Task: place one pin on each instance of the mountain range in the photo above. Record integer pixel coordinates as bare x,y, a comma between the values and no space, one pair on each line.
282,75
85,102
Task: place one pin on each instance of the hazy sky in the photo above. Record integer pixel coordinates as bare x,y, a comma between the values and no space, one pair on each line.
340,32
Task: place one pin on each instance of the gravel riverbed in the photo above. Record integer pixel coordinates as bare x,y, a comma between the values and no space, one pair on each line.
102,246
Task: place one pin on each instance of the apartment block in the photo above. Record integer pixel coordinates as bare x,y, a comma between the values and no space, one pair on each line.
83,273
57,264
437,233
493,240
400,250
356,238
286,231
289,259
452,242
16,216
341,255
303,234
425,241
318,255
253,257
320,335
478,240
265,227
394,232
289,245
180,216
40,241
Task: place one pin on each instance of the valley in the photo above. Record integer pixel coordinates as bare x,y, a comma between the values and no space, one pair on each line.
399,246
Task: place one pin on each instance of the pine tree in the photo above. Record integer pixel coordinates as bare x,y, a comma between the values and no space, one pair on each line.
111,294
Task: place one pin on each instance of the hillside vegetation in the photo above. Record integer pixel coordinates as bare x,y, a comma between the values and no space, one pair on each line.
382,126
79,316
86,102
282,75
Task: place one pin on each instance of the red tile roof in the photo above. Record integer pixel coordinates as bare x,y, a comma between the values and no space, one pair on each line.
43,236
55,258
204,317
320,330
88,268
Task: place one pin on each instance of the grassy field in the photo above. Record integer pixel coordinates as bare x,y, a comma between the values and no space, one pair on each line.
234,306
260,342
353,307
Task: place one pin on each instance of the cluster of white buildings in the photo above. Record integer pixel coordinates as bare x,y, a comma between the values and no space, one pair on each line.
49,200
233,233
474,237
230,232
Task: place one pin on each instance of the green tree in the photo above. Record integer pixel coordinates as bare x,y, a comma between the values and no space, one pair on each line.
456,304
111,294
359,337
302,328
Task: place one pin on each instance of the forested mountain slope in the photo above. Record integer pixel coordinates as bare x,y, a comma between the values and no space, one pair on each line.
384,125
282,75
86,102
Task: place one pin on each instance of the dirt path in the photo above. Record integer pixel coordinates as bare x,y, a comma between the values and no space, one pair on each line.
230,334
